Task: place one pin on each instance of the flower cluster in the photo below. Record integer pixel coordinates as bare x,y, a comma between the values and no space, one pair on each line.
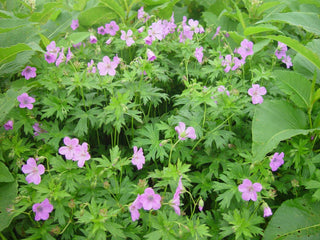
74,151
142,15
56,55
110,28
189,29
148,200
281,54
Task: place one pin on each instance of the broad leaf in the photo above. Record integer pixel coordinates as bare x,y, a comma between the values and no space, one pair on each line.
8,192
5,175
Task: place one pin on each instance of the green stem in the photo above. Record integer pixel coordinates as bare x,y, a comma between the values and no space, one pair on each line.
82,95
173,146
204,114
65,227
2,236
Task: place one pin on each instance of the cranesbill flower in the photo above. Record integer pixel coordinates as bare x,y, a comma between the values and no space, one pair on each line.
101,30
143,15
29,72
25,101
127,37
91,67
93,39
281,50
176,198
38,129
226,62
276,161
185,34
185,133
33,170
245,49
116,59
42,210
74,24
138,158
111,28
249,190
217,32
108,41
69,149
201,205
256,92
61,57
267,211
69,55
134,208
151,55
107,67
150,200
287,61
81,154
8,125
199,54
52,52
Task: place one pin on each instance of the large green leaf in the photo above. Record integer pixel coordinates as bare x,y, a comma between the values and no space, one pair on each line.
295,45
275,121
8,192
295,219
5,175
307,20
96,15
114,6
8,54
259,29
296,86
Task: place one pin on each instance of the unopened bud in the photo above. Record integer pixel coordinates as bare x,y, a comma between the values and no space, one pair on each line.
201,204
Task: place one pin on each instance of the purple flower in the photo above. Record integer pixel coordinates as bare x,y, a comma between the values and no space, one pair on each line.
116,59
276,161
25,101
176,198
245,49
141,29
75,24
42,210
143,15
150,200
138,158
267,211
249,190
216,33
29,72
127,37
52,52
33,170
61,57
108,41
151,55
93,39
69,149
256,92
281,50
8,125
185,34
38,129
287,61
91,67
81,154
107,67
111,28
134,208
222,88
149,39
101,30
199,54
69,55
226,62
185,133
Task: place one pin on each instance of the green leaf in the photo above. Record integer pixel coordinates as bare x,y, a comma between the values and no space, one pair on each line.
296,86
79,36
8,192
307,20
9,53
295,45
295,219
259,29
48,10
115,6
5,175
275,121
95,16
115,229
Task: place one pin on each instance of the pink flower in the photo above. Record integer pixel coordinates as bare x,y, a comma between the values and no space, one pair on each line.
249,190
69,55
38,129
75,24
141,29
69,149
61,57
111,28
52,52
151,55
134,208
256,92
42,210
185,34
267,211
33,170
101,30
8,125
226,62
150,200
127,37
29,72
138,158
199,54
91,67
287,61
176,198
107,67
276,161
281,50
25,101
216,33
143,15
116,59
222,88
185,133
108,41
245,49
93,39
81,154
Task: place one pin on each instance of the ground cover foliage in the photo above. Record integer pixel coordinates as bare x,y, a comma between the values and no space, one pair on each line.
157,119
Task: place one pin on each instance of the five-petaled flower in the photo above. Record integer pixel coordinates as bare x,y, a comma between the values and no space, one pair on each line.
33,170
134,208
8,125
107,67
42,210
126,36
185,133
81,154
199,54
29,72
69,149
25,101
138,158
74,24
256,92
246,49
150,200
276,161
249,190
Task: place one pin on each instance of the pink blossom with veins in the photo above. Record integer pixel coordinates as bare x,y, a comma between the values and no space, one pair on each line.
127,37
249,190
25,101
29,72
150,200
256,93
111,28
185,133
107,67
134,208
81,154
42,210
33,170
138,158
69,149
